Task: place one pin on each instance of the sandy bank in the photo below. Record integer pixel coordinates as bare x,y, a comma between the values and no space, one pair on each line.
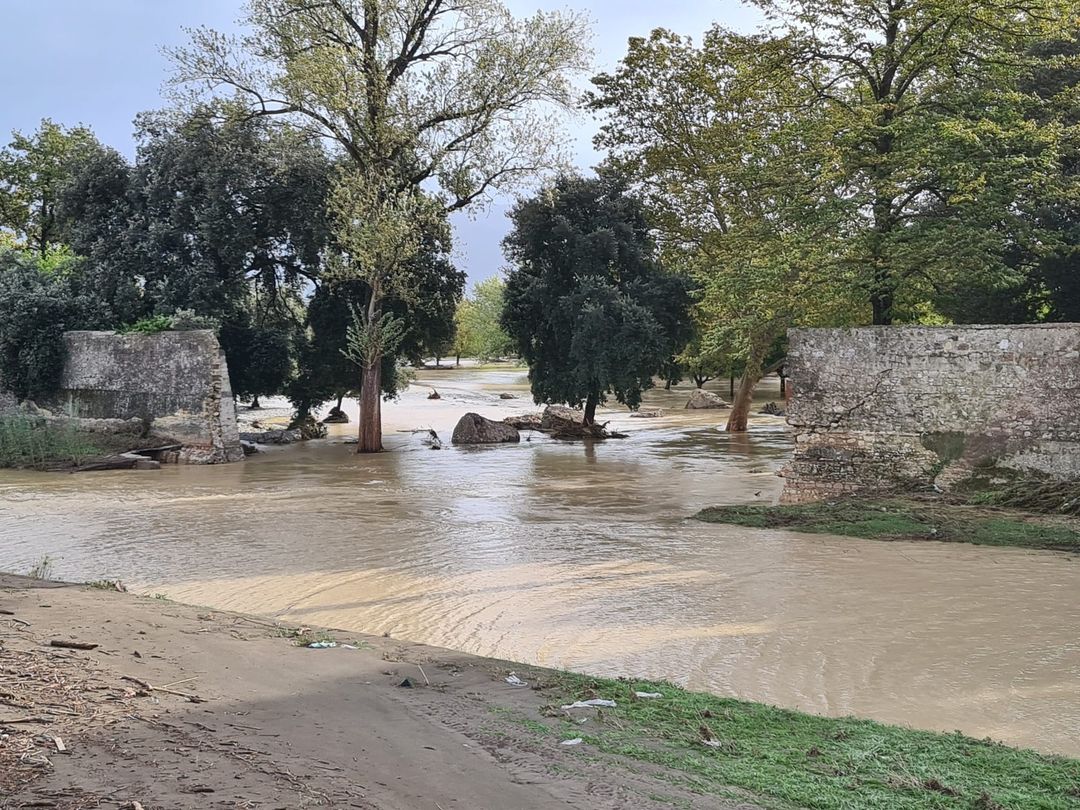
276,725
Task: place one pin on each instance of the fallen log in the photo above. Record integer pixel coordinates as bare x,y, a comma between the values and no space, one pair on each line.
72,645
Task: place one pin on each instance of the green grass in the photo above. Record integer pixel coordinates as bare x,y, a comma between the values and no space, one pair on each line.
907,519
789,759
26,442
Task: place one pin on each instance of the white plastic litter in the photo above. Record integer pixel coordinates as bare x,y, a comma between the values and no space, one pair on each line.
575,741
590,704
648,694
349,647
322,645
711,743
514,680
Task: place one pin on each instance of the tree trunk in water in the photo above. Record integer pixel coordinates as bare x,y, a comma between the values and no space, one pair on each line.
743,399
340,398
457,362
783,385
590,409
667,385
370,437
731,386
255,404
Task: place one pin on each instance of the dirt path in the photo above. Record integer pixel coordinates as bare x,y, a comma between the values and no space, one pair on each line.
277,725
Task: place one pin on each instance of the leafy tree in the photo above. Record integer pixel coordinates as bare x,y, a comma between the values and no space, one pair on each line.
220,214
480,333
263,357
739,180
587,303
38,307
33,171
933,134
450,94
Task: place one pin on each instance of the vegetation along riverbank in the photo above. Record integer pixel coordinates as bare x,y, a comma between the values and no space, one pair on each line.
178,706
911,518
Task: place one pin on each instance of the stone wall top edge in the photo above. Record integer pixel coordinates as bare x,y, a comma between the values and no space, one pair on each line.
972,327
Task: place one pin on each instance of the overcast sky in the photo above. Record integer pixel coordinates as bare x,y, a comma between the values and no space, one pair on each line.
99,62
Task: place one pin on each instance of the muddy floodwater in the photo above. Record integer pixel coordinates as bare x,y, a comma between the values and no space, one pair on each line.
581,556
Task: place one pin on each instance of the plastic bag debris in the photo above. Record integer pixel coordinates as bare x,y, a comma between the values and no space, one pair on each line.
590,704
575,741
648,694
514,680
321,645
349,647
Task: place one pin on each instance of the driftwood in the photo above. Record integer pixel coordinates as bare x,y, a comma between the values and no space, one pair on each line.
72,645
580,431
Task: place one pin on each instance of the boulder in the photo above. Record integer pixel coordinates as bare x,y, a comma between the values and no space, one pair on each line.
336,417
434,394
772,409
528,421
700,399
472,428
505,395
647,414
561,418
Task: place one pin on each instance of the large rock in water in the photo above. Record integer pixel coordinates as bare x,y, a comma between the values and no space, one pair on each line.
472,428
559,417
705,399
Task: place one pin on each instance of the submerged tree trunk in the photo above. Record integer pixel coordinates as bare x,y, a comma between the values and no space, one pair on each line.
340,399
743,399
254,404
590,409
370,436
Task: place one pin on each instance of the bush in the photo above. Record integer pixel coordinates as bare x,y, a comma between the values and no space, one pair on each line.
151,325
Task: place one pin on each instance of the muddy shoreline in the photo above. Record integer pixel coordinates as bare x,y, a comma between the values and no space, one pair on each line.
276,724
112,700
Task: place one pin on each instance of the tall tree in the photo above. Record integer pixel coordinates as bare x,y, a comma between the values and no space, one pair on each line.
33,171
220,214
589,306
932,132
740,177
416,93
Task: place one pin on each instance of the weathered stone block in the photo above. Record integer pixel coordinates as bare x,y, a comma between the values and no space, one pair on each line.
885,409
175,383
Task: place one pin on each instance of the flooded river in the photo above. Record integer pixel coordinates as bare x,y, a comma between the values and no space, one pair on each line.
581,557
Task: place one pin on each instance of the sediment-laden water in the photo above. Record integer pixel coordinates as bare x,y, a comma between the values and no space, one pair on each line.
581,556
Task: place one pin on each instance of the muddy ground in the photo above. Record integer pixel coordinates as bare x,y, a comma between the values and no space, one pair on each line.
183,707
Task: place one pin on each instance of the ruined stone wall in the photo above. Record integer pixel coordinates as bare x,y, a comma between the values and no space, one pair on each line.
885,409
177,383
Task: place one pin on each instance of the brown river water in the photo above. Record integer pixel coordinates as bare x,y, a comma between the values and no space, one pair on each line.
582,557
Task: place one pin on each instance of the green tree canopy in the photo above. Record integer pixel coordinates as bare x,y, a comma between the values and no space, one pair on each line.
588,304
33,172
479,329
452,95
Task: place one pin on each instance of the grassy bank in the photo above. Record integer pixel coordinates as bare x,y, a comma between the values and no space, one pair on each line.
908,519
790,759
26,442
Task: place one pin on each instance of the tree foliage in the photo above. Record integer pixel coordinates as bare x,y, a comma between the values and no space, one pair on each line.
588,305
37,309
479,329
436,94
33,171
